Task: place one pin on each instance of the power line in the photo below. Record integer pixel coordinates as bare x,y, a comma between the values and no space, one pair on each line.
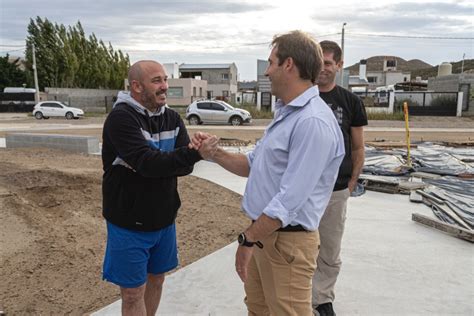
12,45
411,36
227,46
10,51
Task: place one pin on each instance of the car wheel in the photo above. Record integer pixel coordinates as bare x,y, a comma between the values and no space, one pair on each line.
69,116
193,120
38,115
235,120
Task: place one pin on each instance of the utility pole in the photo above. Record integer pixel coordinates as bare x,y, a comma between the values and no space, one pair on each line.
37,98
342,56
462,64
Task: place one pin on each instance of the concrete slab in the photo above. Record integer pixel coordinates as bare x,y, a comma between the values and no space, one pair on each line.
205,287
392,265
73,143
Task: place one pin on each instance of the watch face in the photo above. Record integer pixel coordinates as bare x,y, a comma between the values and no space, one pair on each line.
241,239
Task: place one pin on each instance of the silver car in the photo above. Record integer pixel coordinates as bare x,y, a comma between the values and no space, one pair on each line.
207,111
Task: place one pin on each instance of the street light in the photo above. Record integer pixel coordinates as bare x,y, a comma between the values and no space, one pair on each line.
342,55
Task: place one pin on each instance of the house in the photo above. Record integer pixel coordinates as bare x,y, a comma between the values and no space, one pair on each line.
183,91
359,82
388,70
246,92
221,79
265,99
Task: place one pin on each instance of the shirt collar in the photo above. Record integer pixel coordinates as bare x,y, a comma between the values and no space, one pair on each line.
300,100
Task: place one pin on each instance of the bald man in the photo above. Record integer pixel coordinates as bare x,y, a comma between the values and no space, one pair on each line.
145,148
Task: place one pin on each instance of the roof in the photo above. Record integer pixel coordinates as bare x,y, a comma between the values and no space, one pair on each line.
356,81
247,85
204,66
375,63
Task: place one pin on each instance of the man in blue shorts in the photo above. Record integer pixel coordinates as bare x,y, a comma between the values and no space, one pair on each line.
145,149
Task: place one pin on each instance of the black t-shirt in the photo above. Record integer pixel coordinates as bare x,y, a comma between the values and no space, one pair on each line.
350,112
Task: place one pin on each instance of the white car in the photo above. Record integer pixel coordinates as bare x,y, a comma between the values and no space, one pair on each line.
47,109
215,111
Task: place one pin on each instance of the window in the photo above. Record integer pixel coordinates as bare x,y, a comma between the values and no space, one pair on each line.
225,93
372,79
200,92
194,91
52,105
175,92
204,106
217,107
391,63
225,76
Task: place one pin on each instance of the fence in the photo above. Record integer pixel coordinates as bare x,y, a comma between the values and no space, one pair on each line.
420,103
17,102
380,99
428,103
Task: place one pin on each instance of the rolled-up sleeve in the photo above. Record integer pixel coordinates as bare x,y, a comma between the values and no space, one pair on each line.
310,149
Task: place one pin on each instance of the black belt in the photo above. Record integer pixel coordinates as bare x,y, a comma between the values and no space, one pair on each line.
289,228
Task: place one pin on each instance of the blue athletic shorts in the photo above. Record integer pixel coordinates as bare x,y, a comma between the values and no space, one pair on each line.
131,255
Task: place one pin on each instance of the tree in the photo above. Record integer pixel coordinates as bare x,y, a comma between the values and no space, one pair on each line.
10,74
66,57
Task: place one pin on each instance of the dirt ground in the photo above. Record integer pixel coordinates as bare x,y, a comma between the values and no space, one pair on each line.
52,233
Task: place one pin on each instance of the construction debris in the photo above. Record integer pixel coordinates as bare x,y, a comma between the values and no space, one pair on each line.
444,227
440,177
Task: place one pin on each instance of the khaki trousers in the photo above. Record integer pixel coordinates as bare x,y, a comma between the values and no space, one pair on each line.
280,274
331,229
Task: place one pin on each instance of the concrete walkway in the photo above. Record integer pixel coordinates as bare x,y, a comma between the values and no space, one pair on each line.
392,266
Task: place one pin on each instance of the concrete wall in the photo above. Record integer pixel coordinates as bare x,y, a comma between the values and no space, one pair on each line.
90,100
456,82
188,85
449,83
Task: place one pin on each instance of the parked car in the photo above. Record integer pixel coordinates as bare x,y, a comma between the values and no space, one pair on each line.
207,111
47,109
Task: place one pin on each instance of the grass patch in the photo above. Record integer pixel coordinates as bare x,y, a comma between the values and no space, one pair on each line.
94,114
397,116
256,114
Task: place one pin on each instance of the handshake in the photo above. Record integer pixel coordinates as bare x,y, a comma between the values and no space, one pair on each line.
205,144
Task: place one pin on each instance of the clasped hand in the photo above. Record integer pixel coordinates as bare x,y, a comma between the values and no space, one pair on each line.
205,143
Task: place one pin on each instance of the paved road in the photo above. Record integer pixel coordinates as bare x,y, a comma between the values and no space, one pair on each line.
421,128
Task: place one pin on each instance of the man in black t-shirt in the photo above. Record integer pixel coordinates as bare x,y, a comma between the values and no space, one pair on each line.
350,114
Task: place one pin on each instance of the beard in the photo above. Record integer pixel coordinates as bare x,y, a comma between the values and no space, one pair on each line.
148,99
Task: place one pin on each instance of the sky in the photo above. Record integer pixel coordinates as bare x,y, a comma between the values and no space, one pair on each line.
240,31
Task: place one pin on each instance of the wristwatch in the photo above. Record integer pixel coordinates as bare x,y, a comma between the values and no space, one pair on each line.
242,239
